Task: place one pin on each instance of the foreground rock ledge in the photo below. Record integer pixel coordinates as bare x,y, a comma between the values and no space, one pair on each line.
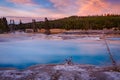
61,72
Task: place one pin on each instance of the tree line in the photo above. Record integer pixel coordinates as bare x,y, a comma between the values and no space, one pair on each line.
72,22
84,23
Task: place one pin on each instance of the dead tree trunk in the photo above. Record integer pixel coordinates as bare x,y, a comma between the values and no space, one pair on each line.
34,25
12,26
109,52
47,26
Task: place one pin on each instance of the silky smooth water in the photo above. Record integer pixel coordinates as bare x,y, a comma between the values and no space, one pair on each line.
22,54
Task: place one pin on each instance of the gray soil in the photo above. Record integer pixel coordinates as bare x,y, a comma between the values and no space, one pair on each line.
62,72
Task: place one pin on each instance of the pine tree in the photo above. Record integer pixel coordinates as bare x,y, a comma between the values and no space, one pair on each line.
3,25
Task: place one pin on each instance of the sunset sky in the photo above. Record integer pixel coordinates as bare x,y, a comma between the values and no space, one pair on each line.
58,8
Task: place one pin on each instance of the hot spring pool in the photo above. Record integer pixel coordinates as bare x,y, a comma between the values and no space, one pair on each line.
22,54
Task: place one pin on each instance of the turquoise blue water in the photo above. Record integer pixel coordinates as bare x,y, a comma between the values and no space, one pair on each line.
22,54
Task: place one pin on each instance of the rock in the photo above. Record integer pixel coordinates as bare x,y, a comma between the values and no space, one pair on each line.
61,72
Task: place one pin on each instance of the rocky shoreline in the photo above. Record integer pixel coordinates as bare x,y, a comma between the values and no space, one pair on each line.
62,72
30,36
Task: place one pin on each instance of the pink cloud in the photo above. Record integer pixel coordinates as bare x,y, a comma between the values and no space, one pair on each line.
62,3
86,7
65,6
93,7
96,7
25,2
49,13
6,11
23,19
114,9
62,8
42,12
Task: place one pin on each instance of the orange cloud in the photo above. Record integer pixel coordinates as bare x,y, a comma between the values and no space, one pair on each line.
96,7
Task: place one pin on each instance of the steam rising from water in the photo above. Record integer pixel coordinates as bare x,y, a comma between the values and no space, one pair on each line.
24,53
